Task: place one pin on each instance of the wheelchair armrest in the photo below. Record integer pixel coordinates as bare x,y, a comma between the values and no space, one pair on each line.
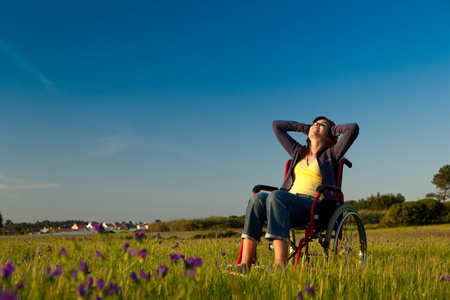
260,187
321,188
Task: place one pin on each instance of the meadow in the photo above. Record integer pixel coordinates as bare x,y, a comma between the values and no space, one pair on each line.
403,263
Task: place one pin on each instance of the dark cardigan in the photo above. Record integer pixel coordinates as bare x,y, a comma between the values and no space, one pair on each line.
328,158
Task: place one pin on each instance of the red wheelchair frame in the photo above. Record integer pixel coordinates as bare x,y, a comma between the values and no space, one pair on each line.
310,232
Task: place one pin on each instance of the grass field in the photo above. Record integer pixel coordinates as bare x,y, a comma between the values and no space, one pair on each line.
403,263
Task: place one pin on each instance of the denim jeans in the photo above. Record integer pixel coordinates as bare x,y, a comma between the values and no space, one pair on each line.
281,209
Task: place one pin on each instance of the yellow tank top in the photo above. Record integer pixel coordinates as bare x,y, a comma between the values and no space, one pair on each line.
306,178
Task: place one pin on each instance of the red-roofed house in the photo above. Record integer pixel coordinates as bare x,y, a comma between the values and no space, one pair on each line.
77,227
144,226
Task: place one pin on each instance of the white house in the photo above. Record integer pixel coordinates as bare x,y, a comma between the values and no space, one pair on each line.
109,226
80,227
143,226
106,226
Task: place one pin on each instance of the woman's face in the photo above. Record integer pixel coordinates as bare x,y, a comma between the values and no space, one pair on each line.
319,130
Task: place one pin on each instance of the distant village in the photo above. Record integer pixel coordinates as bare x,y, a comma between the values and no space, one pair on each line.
81,228
90,227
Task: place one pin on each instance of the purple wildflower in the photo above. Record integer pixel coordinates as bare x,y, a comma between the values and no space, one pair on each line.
83,267
57,272
74,274
193,262
132,252
223,253
89,282
142,253
20,285
134,276
5,295
125,247
62,252
49,248
158,235
445,278
190,273
139,236
25,258
98,227
113,288
176,256
99,255
7,270
300,295
144,275
161,271
100,283
315,254
310,289
81,290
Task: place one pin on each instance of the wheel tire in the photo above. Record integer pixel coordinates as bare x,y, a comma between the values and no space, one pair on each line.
349,241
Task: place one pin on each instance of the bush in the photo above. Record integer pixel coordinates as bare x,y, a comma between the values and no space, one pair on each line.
436,211
446,217
353,203
422,212
408,213
371,216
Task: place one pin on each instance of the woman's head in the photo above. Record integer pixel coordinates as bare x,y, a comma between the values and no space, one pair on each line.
321,128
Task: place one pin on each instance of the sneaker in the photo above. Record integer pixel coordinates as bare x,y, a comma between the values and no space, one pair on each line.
265,268
236,270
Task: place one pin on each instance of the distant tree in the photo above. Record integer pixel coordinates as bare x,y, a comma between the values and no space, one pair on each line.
9,223
442,181
377,202
131,225
433,195
1,220
366,203
386,201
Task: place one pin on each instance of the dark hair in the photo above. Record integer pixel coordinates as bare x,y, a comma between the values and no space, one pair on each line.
331,139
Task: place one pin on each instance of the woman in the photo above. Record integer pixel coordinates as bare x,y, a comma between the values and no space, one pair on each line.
312,165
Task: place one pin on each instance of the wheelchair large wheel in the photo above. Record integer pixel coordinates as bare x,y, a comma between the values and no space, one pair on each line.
349,241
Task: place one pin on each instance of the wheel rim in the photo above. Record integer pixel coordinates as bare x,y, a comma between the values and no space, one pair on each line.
350,239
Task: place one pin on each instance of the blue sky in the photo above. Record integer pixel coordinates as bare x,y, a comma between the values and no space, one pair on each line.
144,110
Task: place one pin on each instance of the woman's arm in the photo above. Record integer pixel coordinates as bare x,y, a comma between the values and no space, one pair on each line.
349,134
280,128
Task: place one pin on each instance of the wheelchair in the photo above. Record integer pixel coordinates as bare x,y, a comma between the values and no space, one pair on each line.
336,226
